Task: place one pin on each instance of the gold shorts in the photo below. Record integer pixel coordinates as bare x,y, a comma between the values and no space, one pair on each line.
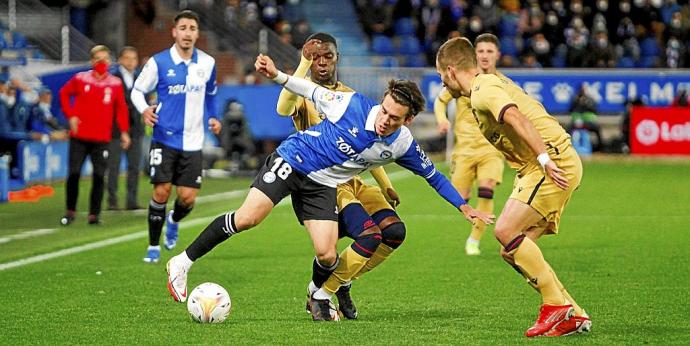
465,169
356,191
540,192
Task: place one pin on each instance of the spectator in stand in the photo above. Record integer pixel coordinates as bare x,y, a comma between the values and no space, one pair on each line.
300,33
682,99
98,99
488,14
553,29
601,53
43,121
529,60
541,48
577,37
583,112
127,72
674,53
235,137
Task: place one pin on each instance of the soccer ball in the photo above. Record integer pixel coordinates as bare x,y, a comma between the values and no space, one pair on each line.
209,303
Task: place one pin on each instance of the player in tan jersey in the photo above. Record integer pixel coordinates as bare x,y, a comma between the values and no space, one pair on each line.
365,212
473,157
549,170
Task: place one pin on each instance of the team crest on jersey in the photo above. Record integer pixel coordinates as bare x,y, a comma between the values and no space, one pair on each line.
269,177
87,88
171,73
386,154
331,96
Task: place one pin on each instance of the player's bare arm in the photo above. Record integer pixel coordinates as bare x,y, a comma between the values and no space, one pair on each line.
529,134
150,117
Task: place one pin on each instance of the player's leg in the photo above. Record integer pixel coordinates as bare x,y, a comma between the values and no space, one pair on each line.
265,193
114,157
526,257
187,178
489,174
133,171
393,233
77,155
99,158
162,161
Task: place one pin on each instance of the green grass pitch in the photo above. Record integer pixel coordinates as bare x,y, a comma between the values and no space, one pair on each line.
622,253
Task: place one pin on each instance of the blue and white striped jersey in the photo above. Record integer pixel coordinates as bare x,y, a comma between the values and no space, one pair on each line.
346,143
185,91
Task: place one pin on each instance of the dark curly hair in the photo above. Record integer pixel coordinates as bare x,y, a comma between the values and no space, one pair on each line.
406,93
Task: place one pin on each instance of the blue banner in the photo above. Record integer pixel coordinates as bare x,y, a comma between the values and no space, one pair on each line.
609,89
31,161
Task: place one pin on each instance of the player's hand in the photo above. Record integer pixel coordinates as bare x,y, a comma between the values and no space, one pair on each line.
214,125
473,215
309,49
150,118
74,124
392,197
556,174
265,66
443,127
125,140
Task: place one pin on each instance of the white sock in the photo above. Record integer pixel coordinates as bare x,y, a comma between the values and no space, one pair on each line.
321,294
347,284
312,288
471,240
186,262
154,247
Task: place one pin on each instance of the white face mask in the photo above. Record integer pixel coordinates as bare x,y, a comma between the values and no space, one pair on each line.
8,100
552,20
475,25
487,3
639,3
541,47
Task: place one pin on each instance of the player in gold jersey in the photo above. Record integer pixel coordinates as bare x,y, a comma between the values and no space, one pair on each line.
548,171
473,157
366,213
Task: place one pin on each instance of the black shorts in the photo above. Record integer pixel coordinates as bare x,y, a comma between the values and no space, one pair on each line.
168,165
310,200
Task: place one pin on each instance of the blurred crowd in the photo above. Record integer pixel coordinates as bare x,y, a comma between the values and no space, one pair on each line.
556,33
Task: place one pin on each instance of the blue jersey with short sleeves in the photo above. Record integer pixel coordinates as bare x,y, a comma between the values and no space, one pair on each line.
346,143
185,93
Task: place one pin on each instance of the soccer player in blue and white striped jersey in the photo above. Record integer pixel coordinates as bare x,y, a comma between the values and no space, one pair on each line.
358,134
185,79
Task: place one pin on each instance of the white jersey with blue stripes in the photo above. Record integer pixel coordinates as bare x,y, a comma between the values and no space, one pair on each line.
185,92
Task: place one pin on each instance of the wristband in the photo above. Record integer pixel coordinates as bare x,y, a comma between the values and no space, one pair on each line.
543,159
281,78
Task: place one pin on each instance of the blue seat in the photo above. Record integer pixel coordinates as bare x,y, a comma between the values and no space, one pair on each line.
389,61
382,45
416,61
647,62
508,26
557,61
409,45
404,26
509,47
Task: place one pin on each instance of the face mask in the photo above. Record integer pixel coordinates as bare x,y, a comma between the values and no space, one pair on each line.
475,26
675,23
602,42
552,20
100,67
9,100
541,47
639,3
487,3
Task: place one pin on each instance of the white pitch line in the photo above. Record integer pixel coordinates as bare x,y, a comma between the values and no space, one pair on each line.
27,234
141,234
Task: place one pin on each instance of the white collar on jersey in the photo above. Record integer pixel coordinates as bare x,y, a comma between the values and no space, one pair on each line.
177,59
371,118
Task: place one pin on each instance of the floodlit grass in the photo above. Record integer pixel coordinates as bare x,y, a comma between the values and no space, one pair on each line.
622,252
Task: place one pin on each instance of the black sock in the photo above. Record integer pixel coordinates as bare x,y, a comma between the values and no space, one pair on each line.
215,233
180,211
321,272
156,219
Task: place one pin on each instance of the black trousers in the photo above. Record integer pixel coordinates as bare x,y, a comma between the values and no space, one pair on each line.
98,152
133,154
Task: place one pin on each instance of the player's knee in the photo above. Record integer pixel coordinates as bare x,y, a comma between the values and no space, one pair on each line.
355,220
245,221
326,257
394,234
485,192
503,233
367,242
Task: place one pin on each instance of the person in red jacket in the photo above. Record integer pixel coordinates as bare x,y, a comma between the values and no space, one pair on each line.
98,99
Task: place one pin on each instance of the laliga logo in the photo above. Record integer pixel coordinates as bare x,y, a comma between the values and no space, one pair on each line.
648,132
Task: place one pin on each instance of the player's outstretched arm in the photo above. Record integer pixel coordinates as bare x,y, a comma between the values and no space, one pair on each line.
440,107
287,101
524,128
